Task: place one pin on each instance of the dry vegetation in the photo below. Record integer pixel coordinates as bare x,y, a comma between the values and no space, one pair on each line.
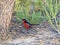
5,17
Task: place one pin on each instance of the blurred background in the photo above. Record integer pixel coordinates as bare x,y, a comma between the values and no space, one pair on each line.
46,13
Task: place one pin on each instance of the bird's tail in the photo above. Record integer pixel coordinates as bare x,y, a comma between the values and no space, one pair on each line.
35,24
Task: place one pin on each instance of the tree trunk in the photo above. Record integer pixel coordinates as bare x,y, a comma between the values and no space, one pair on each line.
6,9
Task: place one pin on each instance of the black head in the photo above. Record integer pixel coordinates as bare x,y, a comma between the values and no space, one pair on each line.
24,20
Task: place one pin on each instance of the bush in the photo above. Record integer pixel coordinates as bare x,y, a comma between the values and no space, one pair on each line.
29,11
38,11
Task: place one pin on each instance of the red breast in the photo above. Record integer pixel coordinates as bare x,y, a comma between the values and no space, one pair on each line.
26,25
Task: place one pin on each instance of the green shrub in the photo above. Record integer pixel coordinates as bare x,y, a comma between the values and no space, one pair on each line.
22,12
48,11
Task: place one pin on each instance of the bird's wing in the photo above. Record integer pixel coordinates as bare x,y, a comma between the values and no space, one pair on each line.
28,22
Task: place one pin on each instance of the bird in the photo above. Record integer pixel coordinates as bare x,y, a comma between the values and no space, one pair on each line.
26,24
